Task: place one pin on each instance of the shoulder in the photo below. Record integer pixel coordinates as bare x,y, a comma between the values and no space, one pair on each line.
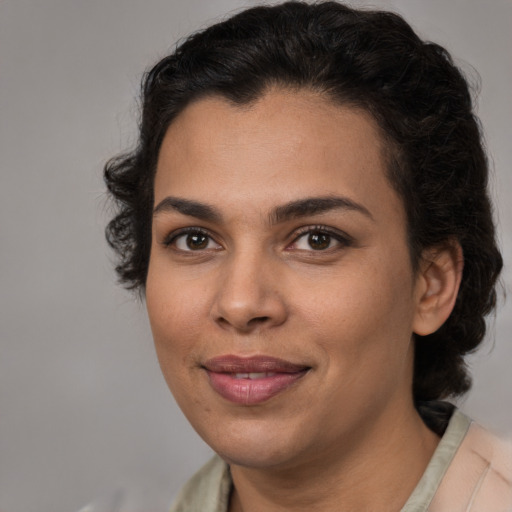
207,491
479,478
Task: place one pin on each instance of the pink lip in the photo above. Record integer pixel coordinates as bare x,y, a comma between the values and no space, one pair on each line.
244,390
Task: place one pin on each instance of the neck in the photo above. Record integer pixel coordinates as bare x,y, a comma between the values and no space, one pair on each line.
377,469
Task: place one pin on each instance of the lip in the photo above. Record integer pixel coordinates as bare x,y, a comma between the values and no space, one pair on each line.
251,380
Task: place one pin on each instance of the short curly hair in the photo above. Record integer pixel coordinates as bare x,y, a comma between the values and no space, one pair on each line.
367,59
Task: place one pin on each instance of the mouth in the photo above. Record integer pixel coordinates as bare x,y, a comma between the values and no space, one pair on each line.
252,380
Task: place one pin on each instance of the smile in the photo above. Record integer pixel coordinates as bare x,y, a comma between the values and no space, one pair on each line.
253,380
254,375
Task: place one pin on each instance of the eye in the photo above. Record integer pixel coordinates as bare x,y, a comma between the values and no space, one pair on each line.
320,240
191,240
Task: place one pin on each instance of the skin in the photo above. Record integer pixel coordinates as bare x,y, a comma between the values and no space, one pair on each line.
347,432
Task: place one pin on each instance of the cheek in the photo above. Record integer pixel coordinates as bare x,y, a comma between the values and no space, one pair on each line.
172,301
357,299
362,318
176,315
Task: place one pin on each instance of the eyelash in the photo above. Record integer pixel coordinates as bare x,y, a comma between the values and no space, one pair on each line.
172,237
342,238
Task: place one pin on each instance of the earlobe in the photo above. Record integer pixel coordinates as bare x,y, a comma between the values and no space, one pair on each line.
437,286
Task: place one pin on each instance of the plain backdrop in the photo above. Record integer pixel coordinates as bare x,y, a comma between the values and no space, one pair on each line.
85,415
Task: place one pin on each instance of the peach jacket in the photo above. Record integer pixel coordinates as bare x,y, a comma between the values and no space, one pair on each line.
470,471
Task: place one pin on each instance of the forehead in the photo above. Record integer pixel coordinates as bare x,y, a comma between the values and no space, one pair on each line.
288,144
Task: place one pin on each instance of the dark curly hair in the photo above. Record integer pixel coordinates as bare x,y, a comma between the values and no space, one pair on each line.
368,59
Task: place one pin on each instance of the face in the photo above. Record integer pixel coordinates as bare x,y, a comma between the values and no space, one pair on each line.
280,290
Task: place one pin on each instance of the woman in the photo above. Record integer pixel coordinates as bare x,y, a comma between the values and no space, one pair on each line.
306,215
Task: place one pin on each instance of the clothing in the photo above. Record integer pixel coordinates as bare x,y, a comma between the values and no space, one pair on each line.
470,471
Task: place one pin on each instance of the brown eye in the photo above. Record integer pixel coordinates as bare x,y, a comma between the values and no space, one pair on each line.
196,241
192,240
319,241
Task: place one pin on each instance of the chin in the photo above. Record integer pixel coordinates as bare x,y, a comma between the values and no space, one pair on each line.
253,455
257,445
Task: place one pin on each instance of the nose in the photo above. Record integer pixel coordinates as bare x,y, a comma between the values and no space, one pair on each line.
250,294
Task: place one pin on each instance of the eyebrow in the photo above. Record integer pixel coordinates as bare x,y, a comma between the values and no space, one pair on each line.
289,211
315,206
188,207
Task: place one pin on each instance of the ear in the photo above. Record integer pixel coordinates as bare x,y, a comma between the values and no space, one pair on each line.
437,286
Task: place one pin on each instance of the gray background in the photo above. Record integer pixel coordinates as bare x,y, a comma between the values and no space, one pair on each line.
84,411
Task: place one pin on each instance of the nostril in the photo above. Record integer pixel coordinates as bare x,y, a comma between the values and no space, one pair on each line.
244,325
258,320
